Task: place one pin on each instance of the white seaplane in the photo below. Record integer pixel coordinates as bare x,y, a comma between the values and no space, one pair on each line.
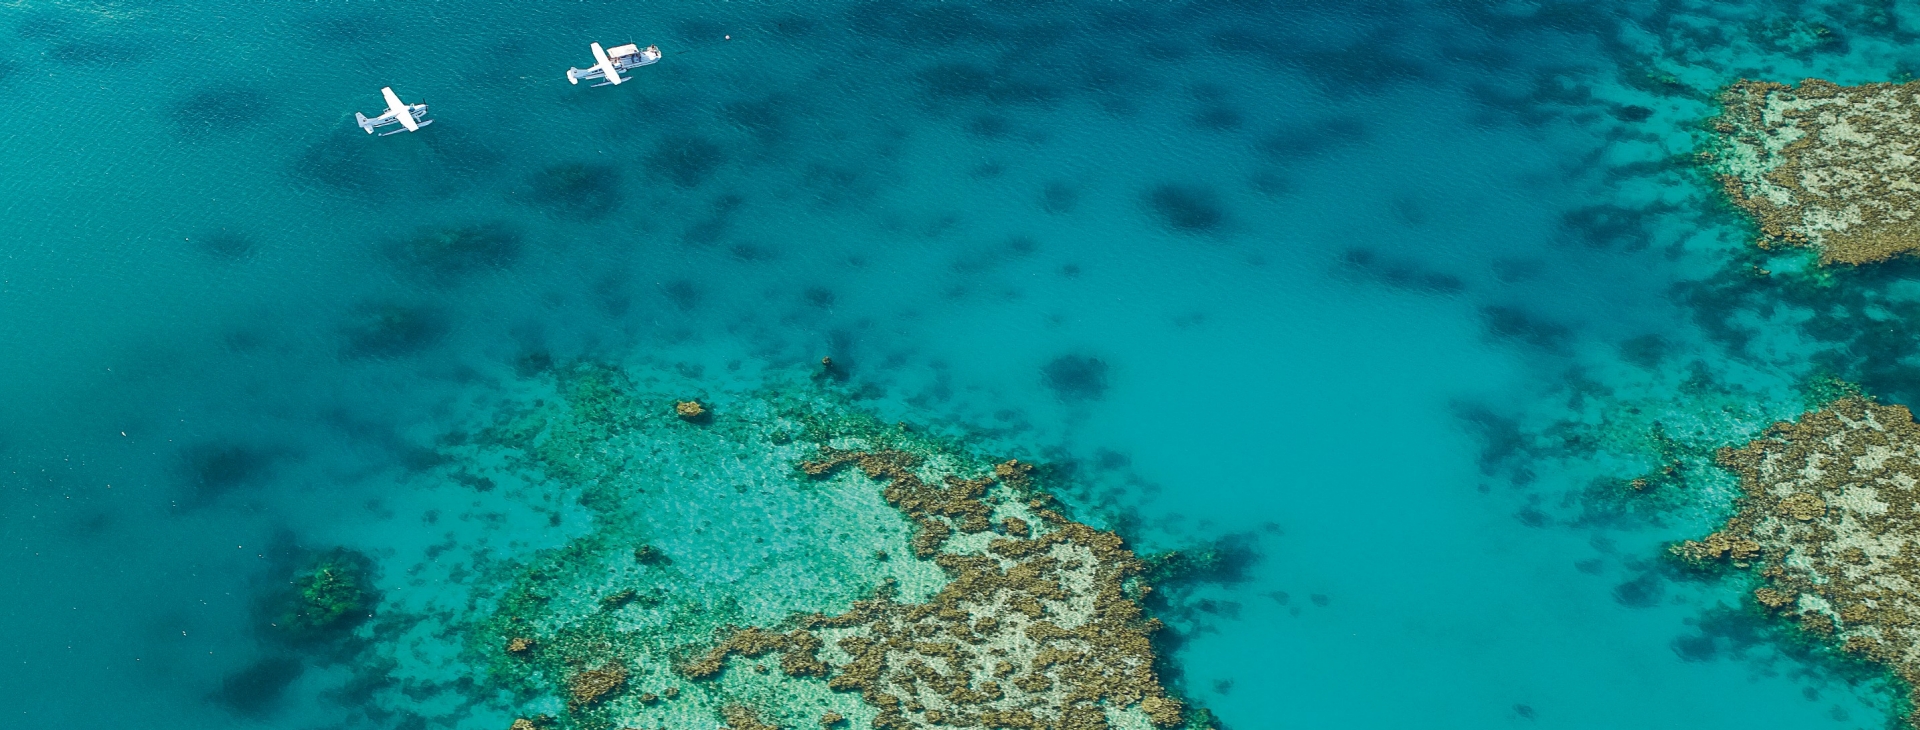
609,62
410,117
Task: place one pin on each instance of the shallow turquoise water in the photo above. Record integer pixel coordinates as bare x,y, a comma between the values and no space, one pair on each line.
1322,276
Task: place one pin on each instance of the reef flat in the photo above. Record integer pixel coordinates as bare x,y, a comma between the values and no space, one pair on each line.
903,581
1828,167
1830,521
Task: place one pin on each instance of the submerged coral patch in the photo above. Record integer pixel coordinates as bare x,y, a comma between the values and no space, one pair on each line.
576,190
1185,208
454,250
1824,166
388,329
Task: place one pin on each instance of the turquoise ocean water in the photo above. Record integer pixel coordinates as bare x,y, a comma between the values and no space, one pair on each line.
1384,298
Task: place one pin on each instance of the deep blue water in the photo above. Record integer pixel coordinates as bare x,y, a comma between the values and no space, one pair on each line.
1319,279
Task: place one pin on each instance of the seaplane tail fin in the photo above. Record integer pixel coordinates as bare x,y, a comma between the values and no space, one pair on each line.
398,110
361,119
600,61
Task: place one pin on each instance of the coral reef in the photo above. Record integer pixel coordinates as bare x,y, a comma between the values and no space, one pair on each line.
992,609
1041,631
1830,522
690,410
1823,166
592,685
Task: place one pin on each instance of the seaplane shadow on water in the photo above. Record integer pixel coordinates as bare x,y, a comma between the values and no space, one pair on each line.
607,65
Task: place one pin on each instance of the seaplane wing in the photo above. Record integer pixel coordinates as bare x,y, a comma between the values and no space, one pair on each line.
605,66
397,110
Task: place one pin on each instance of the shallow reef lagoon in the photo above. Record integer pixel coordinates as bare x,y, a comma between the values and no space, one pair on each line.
1375,311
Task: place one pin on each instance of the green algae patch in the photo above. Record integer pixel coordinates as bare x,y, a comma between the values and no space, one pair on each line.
788,561
1822,166
1829,522
328,597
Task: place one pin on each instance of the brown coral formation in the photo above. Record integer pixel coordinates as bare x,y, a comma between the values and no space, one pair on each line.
689,409
1040,626
1824,166
519,645
1831,518
592,685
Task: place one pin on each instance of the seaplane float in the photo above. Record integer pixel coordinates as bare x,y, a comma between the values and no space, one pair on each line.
410,117
609,62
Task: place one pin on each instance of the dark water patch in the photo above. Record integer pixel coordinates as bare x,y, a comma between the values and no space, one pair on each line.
1798,37
990,127
450,251
1371,64
1534,97
955,82
913,23
45,25
1400,274
1219,118
991,257
1075,378
686,159
793,26
340,162
818,297
1858,322
683,294
1532,516
219,109
576,190
100,51
256,689
1514,270
1646,351
701,30
1631,113
1643,591
458,158
349,28
1319,137
1059,198
1611,227
223,244
837,187
212,470
750,253
1271,183
1503,445
766,118
1186,208
1512,324
384,329
709,230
